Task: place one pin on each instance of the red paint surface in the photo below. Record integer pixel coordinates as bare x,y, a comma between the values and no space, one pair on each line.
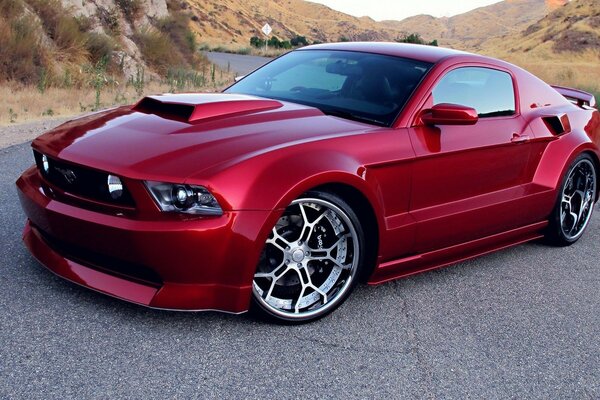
440,193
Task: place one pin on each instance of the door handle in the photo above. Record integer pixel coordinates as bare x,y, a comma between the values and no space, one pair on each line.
516,138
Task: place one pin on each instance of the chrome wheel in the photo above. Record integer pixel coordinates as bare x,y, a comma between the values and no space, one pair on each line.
309,262
577,201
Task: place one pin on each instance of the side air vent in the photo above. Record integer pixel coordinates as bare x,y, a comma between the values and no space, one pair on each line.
558,124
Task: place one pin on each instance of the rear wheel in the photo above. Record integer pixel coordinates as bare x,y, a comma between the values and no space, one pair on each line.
575,204
311,260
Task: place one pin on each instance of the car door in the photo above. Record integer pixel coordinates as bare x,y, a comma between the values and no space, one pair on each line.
468,178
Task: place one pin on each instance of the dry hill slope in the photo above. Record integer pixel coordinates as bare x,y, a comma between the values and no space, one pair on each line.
233,22
470,29
568,31
562,48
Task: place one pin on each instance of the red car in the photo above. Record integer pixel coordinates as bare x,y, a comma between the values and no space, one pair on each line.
332,164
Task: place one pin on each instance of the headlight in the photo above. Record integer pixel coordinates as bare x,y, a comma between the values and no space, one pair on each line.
188,199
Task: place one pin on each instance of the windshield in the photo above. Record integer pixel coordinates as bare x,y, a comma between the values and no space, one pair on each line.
364,87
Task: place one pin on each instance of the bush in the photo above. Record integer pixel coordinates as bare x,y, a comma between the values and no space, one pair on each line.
177,30
415,38
63,29
10,9
99,46
299,41
131,9
109,18
157,49
257,42
22,53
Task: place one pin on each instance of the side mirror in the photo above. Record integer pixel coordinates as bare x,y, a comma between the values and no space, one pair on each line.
450,114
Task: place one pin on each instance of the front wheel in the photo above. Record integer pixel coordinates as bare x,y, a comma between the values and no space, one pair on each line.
575,203
311,260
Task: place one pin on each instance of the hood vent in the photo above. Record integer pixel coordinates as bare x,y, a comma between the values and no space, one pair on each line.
201,107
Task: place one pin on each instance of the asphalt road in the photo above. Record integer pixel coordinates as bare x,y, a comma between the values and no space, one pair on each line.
521,323
240,64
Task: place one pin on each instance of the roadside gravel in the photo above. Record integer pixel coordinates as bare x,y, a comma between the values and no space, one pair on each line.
21,133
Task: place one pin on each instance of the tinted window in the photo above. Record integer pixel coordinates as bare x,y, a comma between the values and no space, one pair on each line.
367,87
488,91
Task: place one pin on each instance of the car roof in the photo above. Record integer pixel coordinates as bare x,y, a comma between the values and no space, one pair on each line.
431,54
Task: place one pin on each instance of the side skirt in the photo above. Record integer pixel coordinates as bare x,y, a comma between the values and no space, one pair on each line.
451,255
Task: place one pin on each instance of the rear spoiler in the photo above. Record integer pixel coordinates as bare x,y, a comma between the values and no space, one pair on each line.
576,96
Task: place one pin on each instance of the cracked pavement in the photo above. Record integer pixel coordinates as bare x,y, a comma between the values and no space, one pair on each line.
520,323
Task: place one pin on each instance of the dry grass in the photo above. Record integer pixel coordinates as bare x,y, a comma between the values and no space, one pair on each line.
25,104
580,71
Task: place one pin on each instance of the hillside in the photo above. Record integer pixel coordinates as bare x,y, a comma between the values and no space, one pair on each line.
568,30
561,48
468,30
233,22
63,42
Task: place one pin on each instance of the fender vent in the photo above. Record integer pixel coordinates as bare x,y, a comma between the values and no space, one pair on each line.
558,124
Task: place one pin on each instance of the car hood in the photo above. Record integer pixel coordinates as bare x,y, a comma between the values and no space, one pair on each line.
171,137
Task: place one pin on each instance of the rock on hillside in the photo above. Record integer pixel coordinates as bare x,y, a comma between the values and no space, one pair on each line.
120,18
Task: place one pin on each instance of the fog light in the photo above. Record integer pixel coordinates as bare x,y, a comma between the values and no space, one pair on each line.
115,186
45,164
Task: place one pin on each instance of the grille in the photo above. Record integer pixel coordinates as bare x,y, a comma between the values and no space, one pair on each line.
81,181
102,262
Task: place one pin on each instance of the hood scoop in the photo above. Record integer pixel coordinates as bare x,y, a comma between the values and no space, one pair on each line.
200,107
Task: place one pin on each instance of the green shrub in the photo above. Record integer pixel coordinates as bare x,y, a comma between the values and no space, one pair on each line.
257,42
299,41
415,38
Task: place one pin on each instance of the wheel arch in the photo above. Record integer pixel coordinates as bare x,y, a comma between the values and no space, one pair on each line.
365,212
350,187
596,161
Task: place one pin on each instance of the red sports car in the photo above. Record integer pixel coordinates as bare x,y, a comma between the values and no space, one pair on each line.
331,165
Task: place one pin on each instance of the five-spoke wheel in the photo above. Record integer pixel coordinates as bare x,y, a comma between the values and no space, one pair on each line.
310,261
576,203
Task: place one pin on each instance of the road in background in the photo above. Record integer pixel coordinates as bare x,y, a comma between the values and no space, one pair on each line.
238,63
520,323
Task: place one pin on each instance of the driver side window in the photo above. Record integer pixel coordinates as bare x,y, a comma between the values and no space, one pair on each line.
489,91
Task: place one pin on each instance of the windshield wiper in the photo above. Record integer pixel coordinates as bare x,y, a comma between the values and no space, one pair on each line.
351,116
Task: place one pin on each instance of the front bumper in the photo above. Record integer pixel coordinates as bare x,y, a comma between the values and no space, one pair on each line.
195,264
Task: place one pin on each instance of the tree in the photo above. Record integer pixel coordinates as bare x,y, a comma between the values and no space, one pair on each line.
415,38
299,41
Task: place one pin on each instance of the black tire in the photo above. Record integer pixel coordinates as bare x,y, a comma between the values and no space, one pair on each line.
575,202
294,288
